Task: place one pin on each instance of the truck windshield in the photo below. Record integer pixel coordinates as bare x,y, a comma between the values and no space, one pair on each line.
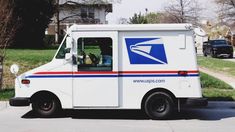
62,51
219,42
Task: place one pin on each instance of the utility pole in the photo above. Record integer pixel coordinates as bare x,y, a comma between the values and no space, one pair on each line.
57,22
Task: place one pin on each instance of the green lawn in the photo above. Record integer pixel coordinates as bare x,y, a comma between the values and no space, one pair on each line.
210,82
26,59
215,89
215,64
6,94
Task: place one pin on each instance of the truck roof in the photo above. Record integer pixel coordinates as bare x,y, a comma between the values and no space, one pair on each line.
132,27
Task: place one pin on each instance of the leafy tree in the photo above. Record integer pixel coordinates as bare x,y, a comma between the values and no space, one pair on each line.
138,19
35,16
153,17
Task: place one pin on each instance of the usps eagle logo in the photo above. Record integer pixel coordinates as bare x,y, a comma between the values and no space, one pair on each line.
146,51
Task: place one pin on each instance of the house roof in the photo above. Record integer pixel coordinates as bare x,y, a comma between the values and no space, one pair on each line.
97,3
133,27
84,2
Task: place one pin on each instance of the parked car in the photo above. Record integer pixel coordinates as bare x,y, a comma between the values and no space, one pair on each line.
217,48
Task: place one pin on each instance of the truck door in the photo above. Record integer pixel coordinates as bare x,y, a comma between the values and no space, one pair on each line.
95,76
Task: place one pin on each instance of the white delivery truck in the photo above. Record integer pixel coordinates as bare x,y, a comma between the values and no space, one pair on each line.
148,67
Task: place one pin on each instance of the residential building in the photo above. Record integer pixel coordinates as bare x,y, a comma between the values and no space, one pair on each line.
80,12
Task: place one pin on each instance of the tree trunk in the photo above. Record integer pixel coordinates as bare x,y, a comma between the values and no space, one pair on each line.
1,72
57,23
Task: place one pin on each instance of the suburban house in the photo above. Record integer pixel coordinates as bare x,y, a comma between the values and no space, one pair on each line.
220,30
80,12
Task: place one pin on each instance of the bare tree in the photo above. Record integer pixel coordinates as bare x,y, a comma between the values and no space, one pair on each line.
122,20
227,10
8,27
183,11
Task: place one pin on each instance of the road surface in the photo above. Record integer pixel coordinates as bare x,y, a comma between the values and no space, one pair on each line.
217,117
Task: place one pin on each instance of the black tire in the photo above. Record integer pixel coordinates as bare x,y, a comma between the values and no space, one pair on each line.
159,105
212,54
230,56
46,105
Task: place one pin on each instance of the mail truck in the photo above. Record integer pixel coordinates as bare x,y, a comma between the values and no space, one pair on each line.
152,67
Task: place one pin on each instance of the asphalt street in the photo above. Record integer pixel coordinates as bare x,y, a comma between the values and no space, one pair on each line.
217,117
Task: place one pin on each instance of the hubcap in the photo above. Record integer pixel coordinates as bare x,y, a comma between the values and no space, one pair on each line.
159,105
45,105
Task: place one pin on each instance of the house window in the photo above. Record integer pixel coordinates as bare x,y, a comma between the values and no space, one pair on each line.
95,54
91,13
83,12
88,12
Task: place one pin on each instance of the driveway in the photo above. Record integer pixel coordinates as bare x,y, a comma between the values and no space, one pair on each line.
217,117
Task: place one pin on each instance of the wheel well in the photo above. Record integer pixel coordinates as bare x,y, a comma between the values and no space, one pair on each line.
158,90
44,93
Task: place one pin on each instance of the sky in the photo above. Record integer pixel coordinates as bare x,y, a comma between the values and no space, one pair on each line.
127,8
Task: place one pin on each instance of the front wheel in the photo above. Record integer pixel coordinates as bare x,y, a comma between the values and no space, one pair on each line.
45,105
212,54
159,105
204,54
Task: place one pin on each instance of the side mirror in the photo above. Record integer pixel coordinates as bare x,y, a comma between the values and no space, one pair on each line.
68,56
14,69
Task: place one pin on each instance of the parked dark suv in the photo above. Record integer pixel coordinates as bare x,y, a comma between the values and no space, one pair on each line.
217,48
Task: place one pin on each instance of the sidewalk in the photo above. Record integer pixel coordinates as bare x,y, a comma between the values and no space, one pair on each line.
228,79
3,105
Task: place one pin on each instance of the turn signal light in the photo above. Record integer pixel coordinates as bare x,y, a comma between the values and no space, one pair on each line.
25,81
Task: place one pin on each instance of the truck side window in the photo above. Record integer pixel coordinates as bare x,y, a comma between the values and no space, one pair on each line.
95,54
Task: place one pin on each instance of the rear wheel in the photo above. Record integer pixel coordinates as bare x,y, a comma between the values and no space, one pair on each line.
159,105
46,105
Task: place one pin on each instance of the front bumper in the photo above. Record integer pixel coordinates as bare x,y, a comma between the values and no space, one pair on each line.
196,102
19,101
223,52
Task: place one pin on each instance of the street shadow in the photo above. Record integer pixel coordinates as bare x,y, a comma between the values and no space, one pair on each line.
220,99
95,114
221,57
209,114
